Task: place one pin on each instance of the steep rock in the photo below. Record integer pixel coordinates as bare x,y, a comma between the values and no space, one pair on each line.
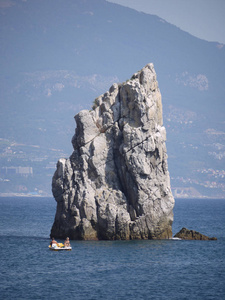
116,183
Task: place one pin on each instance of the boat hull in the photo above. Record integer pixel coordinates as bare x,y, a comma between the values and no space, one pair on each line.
60,248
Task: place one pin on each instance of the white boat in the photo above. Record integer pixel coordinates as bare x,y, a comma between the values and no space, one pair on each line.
59,247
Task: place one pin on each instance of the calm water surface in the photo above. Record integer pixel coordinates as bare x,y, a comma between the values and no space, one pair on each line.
165,269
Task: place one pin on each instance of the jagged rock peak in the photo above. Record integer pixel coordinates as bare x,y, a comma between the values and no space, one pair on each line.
116,183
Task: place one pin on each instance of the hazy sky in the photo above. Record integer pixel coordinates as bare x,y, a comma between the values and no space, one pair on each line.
202,18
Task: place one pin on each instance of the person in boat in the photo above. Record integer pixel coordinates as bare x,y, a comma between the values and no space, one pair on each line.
67,242
53,242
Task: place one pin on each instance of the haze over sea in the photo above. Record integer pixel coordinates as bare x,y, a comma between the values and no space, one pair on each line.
163,269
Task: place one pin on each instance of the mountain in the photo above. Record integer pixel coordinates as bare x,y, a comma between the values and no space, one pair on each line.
57,56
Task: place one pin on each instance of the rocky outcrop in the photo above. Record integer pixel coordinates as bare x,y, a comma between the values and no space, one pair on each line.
116,183
186,234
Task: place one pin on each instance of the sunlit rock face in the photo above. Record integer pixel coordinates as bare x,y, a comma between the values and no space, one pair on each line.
116,184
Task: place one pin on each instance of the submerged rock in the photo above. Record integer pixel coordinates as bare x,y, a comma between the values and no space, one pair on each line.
186,234
116,183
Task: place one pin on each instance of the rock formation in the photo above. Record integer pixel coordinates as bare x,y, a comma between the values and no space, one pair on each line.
116,183
186,234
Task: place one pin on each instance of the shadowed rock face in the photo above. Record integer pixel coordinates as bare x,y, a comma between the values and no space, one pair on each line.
116,183
186,234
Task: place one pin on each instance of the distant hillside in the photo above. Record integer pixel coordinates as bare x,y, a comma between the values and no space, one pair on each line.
57,56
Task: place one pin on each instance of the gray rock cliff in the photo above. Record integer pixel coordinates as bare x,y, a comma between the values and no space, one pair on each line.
116,183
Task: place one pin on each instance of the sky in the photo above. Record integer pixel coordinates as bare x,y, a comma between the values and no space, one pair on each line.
204,19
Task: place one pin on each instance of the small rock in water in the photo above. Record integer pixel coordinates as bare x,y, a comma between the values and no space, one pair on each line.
186,234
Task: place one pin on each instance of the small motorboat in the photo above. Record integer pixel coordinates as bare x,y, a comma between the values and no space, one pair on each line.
59,247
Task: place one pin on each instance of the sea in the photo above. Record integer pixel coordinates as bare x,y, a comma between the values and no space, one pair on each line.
149,269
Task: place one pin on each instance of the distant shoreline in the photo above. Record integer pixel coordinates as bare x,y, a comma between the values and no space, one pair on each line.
5,195
18,195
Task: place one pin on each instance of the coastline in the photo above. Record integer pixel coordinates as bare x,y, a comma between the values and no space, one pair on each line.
29,195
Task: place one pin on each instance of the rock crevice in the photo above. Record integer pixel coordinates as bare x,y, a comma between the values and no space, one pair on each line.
116,183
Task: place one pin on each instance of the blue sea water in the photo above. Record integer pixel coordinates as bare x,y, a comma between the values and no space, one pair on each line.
165,269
